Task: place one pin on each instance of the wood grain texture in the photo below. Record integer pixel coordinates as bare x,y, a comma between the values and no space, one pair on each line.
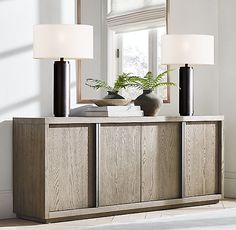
28,170
161,161
68,172
201,159
119,164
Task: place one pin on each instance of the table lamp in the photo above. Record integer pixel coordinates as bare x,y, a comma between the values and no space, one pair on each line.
187,49
62,42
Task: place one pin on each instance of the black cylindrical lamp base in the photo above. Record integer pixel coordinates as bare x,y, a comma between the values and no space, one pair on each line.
186,100
61,88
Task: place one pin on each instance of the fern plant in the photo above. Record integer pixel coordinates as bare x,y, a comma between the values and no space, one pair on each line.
149,81
120,83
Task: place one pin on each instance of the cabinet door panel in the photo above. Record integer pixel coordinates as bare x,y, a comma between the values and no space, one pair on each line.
70,172
119,164
201,159
161,161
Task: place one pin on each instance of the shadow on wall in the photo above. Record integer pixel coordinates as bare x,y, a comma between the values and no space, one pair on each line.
48,12
16,51
18,105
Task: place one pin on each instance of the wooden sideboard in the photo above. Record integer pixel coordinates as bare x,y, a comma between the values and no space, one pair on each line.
71,168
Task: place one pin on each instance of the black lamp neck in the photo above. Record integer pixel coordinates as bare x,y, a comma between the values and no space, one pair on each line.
186,65
61,59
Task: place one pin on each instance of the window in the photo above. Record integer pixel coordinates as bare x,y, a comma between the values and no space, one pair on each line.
137,30
139,52
133,49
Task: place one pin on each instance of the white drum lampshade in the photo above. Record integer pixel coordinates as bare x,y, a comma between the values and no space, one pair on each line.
57,41
63,41
187,49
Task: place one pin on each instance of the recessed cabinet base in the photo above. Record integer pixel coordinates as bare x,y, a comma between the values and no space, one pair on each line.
74,168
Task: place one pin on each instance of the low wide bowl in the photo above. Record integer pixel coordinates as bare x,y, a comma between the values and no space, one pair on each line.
111,102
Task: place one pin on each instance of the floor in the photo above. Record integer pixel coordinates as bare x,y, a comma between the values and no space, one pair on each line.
18,224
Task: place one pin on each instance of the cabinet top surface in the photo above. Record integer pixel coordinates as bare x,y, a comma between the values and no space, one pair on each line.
94,120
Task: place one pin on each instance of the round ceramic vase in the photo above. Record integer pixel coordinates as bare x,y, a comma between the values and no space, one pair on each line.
149,102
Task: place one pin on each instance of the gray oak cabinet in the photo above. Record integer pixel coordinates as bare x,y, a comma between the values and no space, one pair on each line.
70,168
161,161
201,158
119,164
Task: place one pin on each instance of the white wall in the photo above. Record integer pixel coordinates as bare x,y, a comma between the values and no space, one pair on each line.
227,19
25,84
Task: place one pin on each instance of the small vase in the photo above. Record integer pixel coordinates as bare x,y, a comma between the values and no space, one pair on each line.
149,103
113,95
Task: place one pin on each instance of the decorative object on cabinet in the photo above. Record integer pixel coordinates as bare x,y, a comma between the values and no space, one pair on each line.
107,111
114,111
70,168
150,103
62,42
187,49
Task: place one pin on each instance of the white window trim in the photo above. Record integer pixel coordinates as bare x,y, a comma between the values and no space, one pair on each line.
152,52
